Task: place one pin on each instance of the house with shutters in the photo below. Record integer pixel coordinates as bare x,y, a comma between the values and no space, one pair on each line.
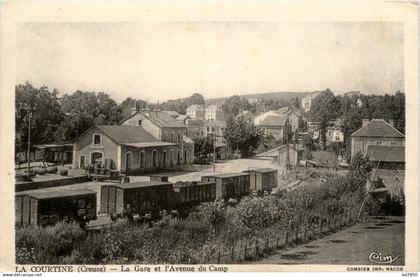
145,141
380,141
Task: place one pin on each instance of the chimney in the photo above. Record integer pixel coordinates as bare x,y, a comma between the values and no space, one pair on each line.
365,122
392,123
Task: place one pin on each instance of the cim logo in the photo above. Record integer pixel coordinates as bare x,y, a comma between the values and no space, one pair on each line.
382,259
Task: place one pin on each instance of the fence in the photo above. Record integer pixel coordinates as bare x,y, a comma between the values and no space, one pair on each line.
248,249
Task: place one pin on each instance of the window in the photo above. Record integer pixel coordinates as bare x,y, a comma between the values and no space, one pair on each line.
379,143
179,137
165,136
155,158
393,143
139,123
96,139
142,161
172,137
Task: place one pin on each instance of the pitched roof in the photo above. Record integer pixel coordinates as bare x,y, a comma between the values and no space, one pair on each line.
182,117
378,128
126,134
174,114
386,153
274,121
159,118
58,193
275,151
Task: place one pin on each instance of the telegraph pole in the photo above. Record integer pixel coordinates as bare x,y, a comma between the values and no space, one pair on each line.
29,144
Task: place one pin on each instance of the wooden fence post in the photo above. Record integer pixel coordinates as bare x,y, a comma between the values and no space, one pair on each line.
218,257
277,241
246,246
267,245
256,248
320,227
304,232
233,252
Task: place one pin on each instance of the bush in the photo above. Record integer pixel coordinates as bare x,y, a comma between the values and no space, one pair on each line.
47,245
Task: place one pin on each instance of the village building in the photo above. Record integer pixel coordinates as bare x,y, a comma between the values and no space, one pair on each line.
215,129
279,155
387,157
126,148
145,141
276,125
213,113
294,116
376,132
334,133
182,118
196,112
194,128
307,101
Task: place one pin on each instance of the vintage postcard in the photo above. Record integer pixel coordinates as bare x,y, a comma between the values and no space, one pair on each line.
209,136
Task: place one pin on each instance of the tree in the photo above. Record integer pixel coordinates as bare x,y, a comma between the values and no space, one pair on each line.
234,105
360,166
85,109
324,108
296,102
45,111
203,146
242,135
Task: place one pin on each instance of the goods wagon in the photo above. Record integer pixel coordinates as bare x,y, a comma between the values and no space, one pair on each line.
48,208
262,179
229,185
188,194
142,197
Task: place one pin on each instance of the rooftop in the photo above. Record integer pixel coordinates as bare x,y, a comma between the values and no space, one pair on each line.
386,153
263,170
274,121
57,194
226,175
160,118
127,134
378,128
139,184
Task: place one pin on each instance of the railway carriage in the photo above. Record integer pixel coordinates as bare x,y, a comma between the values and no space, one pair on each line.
262,179
229,185
143,198
188,194
48,208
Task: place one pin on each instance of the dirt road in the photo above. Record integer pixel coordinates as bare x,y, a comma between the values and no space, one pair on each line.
381,235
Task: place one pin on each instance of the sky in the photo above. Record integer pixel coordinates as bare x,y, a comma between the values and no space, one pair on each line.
158,61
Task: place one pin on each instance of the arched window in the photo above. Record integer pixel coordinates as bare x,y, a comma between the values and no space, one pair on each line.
178,157
128,160
165,136
185,156
142,160
172,157
179,137
164,160
155,158
172,136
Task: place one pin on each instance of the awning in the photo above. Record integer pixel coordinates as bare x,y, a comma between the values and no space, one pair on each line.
149,144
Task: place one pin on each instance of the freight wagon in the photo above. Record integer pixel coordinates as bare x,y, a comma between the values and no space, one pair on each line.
262,179
189,194
229,185
48,208
142,198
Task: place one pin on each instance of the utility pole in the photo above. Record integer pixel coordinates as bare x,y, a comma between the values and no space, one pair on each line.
29,144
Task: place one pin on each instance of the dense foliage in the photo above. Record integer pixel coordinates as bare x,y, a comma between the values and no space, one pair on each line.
240,134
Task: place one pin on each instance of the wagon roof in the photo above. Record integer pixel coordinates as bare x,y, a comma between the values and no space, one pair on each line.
263,170
140,184
187,184
227,175
57,193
